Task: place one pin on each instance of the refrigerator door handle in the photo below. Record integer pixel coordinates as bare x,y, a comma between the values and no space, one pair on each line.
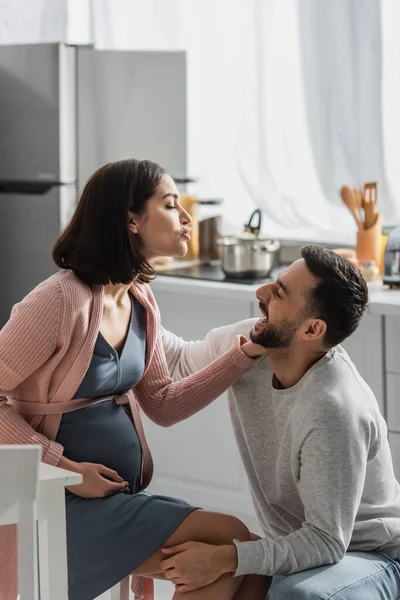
37,188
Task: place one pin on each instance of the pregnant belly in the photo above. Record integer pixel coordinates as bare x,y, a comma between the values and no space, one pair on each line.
104,434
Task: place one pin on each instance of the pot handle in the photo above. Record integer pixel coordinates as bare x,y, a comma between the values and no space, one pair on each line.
249,228
269,246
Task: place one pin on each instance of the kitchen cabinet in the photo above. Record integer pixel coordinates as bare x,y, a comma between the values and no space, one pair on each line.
392,337
392,377
392,401
394,443
198,460
365,348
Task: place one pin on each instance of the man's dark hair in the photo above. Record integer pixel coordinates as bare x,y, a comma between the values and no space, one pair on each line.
97,244
340,295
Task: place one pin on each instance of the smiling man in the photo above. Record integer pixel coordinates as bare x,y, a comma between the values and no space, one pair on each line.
313,443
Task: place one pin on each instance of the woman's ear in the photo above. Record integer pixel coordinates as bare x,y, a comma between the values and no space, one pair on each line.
133,223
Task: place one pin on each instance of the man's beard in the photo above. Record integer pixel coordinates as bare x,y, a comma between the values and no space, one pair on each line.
276,336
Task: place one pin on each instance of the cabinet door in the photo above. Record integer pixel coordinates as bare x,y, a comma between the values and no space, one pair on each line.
394,443
392,401
365,348
198,460
392,335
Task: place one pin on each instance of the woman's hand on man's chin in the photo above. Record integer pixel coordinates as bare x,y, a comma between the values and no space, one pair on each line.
253,350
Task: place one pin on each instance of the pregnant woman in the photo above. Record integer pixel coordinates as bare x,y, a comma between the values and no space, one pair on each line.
79,355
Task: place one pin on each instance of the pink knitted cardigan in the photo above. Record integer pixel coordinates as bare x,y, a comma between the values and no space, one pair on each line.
45,350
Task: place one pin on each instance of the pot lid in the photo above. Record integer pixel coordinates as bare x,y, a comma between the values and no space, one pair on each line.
247,239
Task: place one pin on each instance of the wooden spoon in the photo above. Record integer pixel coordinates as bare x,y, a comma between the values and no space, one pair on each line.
359,202
350,200
369,203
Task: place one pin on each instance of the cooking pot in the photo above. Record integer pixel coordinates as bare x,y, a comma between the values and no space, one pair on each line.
248,255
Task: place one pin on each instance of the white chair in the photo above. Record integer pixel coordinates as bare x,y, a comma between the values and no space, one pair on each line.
163,589
49,533
52,530
19,467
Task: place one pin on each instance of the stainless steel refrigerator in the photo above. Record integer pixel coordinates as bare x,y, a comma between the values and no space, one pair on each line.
65,111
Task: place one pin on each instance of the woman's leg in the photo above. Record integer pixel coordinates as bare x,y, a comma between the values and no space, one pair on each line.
210,528
253,586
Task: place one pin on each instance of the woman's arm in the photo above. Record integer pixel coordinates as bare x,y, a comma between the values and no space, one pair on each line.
167,402
26,342
185,358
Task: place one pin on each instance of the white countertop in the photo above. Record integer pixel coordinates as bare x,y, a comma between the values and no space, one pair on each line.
50,476
382,300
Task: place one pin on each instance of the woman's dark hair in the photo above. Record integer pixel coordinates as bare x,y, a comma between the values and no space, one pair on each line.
97,244
340,295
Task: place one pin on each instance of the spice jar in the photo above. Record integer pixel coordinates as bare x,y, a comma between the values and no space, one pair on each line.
370,270
209,219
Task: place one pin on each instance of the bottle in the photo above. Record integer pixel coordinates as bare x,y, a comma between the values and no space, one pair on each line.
370,270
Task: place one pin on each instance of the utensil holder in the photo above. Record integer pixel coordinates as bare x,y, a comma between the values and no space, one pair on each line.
369,242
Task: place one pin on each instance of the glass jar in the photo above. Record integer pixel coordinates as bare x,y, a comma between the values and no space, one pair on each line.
370,270
209,222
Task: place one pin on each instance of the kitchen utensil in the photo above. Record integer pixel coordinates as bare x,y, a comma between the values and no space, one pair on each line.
369,242
249,228
369,203
350,200
243,258
358,195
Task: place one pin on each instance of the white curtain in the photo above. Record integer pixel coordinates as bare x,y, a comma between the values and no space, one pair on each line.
288,100
32,21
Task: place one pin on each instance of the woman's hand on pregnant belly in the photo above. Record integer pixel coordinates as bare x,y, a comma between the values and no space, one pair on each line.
98,481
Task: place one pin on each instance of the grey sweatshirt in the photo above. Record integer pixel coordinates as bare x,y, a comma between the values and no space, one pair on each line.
316,457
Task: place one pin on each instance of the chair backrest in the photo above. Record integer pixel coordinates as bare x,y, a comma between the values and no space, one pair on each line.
19,466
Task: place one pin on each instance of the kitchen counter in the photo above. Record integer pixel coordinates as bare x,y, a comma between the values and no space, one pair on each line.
382,300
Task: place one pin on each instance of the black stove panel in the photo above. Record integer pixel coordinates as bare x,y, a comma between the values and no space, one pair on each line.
213,272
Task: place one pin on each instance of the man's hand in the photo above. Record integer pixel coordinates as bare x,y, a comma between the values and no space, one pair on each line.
194,565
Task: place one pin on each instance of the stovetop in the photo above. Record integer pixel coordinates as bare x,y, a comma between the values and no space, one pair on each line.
214,272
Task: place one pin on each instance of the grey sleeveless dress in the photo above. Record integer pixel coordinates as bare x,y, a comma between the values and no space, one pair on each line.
108,538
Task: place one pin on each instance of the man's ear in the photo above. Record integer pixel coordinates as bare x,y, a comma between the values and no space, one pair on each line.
313,329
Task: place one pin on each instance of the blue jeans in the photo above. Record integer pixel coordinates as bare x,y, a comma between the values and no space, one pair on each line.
358,576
